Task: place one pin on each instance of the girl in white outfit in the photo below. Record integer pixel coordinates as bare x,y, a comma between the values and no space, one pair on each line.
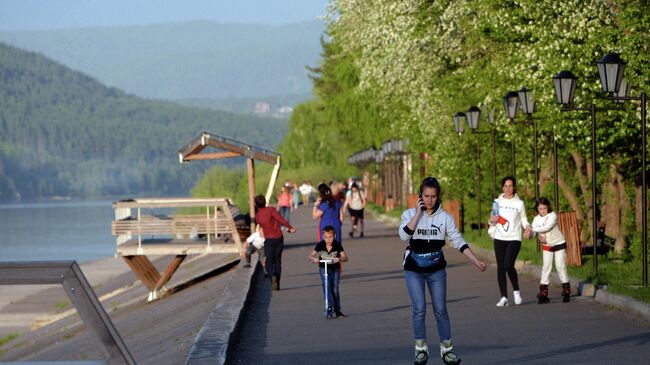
553,248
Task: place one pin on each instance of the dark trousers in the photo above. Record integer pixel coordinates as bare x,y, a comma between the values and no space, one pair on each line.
273,252
506,253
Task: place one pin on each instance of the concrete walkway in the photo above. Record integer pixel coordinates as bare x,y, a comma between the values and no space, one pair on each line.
287,326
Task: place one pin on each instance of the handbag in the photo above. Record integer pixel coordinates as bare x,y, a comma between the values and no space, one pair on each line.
427,259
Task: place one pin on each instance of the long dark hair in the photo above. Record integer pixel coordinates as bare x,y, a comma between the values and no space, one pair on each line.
432,183
326,195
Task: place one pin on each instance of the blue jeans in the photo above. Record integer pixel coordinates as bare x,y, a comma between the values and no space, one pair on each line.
437,283
285,212
333,278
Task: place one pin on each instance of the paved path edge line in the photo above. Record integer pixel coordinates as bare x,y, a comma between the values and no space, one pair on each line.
215,338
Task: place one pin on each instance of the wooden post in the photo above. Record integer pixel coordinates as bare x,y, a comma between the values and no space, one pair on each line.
250,164
144,270
274,178
171,269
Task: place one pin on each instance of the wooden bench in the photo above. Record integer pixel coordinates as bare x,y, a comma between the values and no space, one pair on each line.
140,232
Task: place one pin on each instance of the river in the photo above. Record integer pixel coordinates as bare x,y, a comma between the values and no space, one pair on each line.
66,230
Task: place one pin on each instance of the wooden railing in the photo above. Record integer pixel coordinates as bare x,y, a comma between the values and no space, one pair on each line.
174,225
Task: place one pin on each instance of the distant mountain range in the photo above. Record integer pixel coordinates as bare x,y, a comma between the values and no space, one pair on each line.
199,60
62,133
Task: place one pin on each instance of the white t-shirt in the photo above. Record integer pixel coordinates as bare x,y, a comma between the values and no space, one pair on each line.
256,240
305,189
356,199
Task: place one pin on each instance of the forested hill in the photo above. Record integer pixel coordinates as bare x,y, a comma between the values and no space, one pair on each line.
63,133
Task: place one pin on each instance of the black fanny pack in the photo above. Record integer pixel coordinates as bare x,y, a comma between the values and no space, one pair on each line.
427,259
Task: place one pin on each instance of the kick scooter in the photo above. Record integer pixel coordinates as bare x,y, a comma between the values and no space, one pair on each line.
326,312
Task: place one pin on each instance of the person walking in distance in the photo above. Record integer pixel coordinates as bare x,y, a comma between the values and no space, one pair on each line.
355,203
553,249
507,227
328,210
284,203
425,229
270,221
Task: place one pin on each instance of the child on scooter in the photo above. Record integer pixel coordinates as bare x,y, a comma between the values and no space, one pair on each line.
330,249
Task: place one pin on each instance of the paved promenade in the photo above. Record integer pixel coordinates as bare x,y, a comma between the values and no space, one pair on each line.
287,326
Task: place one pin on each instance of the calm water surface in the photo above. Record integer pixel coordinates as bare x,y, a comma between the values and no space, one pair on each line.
56,231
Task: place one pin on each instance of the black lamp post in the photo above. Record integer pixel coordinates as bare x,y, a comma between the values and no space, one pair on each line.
565,86
511,102
528,106
490,114
473,117
610,70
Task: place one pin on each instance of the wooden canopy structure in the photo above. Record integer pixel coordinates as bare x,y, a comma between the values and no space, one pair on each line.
228,147
154,226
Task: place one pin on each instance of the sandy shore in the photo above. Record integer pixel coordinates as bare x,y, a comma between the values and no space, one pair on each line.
48,328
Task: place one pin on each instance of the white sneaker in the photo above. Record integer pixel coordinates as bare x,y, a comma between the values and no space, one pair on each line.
517,296
503,302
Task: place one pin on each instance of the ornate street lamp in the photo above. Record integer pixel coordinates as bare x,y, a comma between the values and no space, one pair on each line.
473,117
565,85
610,70
511,105
459,118
528,106
490,115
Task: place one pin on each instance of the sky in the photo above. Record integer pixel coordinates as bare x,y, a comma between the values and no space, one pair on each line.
60,14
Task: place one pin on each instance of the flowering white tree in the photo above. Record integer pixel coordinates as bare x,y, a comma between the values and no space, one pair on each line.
425,60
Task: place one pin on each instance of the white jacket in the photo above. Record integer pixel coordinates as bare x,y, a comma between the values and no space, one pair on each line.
547,226
513,219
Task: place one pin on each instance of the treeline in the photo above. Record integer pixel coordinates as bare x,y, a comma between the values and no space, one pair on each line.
403,69
64,134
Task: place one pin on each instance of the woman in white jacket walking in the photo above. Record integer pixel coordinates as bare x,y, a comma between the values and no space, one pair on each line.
509,221
553,248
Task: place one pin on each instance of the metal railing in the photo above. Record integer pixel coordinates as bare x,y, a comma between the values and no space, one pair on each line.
81,294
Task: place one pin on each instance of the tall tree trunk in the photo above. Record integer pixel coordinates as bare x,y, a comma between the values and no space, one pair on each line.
638,209
583,172
615,207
